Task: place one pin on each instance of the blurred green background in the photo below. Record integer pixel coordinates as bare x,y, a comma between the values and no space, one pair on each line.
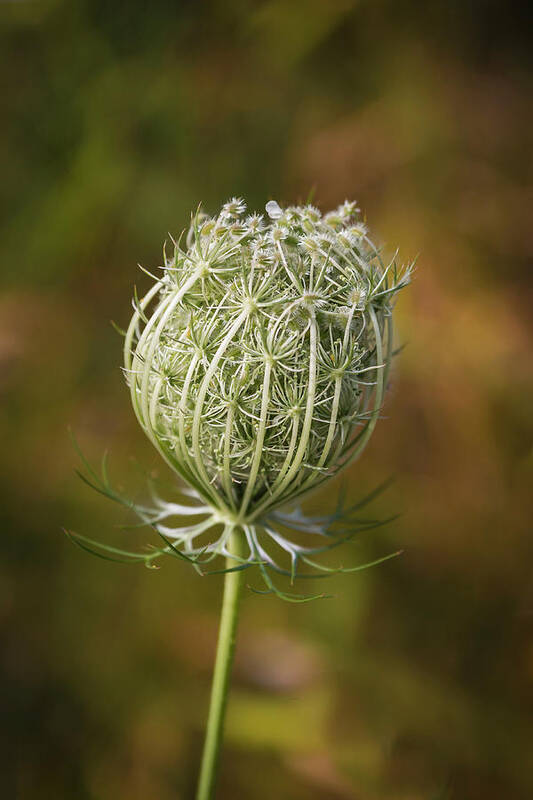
415,681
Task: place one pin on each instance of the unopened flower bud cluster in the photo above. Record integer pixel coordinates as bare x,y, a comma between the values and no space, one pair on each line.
254,361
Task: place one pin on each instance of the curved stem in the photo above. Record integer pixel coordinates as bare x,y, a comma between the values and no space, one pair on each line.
223,664
279,488
256,461
204,386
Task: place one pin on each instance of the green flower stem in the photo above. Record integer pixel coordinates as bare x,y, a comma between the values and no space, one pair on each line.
221,676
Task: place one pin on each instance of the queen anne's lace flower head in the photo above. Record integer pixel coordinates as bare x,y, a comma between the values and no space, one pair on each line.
257,365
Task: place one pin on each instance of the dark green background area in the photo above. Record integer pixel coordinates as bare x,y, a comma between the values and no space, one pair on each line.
415,681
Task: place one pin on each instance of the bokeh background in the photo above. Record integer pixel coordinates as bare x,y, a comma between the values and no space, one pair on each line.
415,681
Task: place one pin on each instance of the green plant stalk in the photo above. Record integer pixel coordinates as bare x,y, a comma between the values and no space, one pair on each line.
223,664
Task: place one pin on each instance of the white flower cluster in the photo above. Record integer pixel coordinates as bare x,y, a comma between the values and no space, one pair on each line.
257,362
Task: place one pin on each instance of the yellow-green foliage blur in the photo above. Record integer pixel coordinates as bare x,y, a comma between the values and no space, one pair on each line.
415,681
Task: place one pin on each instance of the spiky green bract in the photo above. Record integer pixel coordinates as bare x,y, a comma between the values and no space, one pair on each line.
335,529
257,363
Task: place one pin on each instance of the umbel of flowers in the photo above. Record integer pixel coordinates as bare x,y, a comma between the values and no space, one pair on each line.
257,365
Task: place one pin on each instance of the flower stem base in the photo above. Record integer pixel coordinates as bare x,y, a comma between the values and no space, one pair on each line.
222,672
